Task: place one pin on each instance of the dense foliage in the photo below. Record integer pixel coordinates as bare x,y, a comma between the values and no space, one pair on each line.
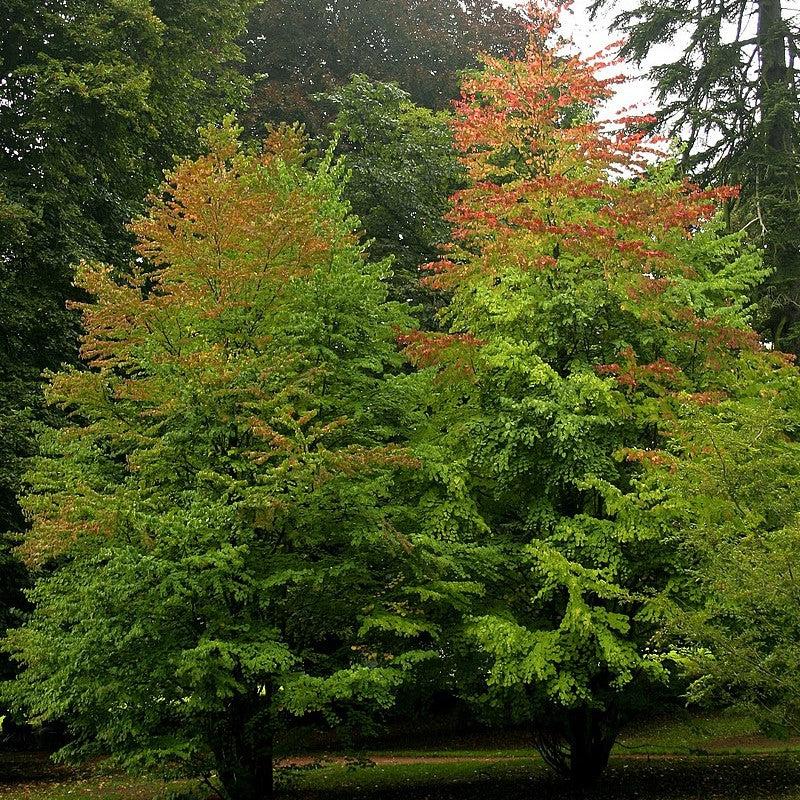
735,504
95,98
215,523
593,298
281,482
94,101
732,97
297,50
402,210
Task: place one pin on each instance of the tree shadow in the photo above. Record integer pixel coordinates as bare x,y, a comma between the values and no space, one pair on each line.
738,777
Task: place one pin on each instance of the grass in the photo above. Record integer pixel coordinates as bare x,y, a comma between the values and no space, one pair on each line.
683,778
87,788
693,757
700,734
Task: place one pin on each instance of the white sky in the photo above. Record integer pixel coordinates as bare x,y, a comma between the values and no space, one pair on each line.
592,35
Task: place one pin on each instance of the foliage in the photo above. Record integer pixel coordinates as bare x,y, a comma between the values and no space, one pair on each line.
248,509
95,97
403,170
735,503
731,96
215,524
297,50
593,295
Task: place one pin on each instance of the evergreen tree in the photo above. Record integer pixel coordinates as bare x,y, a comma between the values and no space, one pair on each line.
733,96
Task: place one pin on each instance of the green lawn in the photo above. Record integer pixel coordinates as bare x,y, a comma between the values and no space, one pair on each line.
697,733
697,757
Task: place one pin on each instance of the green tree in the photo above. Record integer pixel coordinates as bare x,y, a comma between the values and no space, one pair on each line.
404,168
95,97
215,524
734,504
732,96
298,50
593,296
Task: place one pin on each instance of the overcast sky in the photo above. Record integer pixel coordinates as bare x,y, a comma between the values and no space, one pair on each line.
592,35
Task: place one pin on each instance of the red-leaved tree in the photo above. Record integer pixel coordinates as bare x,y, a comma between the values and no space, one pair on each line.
595,300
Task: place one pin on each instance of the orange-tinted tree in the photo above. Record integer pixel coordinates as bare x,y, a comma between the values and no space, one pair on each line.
594,297
215,522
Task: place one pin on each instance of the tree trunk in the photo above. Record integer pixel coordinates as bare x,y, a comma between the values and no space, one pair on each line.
775,79
776,185
577,745
242,746
249,777
591,740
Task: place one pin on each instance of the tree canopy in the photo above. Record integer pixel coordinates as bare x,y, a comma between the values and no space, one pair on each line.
402,210
297,50
216,520
95,98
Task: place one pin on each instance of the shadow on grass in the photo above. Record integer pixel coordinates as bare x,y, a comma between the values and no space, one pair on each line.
32,767
683,778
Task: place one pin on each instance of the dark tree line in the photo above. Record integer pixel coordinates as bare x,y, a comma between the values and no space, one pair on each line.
296,51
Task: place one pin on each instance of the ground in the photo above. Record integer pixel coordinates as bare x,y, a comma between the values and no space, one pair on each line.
697,757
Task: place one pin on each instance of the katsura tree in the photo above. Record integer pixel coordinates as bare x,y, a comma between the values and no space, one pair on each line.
403,169
591,294
213,529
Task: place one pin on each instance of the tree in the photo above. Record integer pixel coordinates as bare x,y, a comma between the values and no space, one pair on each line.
733,97
297,50
95,97
94,100
404,169
734,505
216,520
593,297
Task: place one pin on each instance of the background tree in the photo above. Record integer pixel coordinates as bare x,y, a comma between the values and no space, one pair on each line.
404,168
216,519
732,96
592,294
297,50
